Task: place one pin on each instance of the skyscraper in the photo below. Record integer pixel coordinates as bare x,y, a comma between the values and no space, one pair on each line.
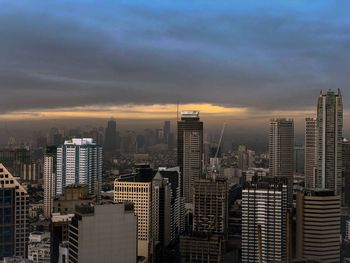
167,133
79,161
189,151
14,224
318,226
264,222
49,179
111,139
329,141
281,151
243,158
310,152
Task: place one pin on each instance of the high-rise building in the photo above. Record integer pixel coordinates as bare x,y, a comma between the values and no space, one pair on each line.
103,233
264,222
136,188
79,161
110,143
318,226
310,152
167,133
329,141
189,151
14,223
346,174
49,180
281,151
210,206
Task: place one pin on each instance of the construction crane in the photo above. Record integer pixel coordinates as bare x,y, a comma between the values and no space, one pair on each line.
220,140
214,168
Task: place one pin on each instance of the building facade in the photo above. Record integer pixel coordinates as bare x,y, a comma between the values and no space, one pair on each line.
139,193
103,233
318,226
264,222
79,161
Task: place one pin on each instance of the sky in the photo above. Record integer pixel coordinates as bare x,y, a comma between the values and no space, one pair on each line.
232,60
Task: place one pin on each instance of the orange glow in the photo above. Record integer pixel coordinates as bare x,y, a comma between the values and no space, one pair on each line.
128,111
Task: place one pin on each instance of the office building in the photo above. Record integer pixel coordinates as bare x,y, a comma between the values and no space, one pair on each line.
310,152
243,158
111,138
14,225
103,233
189,151
74,194
281,151
49,180
329,141
264,222
136,188
79,161
39,247
59,234
318,226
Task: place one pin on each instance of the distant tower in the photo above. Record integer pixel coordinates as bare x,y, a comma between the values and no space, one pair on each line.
111,139
329,141
189,151
281,151
167,133
310,152
49,179
79,161
14,223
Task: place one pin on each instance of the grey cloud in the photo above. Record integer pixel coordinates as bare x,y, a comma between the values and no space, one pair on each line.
262,61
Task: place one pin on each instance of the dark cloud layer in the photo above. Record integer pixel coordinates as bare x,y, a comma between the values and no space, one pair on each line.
271,56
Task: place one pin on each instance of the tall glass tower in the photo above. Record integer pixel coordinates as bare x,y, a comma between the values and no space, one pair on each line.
329,141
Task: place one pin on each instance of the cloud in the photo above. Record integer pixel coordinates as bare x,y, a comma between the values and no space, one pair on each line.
232,54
